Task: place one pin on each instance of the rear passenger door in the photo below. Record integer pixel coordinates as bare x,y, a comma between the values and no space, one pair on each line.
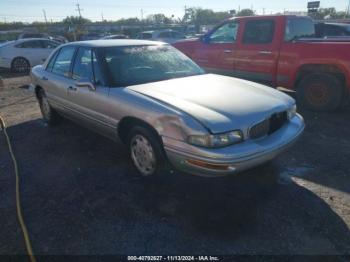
257,53
57,78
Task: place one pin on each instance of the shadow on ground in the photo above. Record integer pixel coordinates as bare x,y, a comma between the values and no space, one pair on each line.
82,196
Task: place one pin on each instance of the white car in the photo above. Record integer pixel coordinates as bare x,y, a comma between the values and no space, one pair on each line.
21,55
168,36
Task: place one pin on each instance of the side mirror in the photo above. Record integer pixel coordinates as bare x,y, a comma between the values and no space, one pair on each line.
84,82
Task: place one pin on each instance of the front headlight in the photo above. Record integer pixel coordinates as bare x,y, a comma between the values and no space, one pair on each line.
217,140
292,111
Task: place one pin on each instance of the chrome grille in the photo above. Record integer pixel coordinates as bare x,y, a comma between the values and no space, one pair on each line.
268,126
259,130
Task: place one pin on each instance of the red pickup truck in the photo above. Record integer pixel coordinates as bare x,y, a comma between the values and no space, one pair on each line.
279,51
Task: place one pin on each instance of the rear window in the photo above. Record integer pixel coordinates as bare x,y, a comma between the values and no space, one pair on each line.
298,28
259,32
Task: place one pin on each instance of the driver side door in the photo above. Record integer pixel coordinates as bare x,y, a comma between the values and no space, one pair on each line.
216,51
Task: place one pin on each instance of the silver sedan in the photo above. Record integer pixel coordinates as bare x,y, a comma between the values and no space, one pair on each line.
159,103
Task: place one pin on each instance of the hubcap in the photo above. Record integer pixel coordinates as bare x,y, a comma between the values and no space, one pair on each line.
45,108
142,155
318,94
21,65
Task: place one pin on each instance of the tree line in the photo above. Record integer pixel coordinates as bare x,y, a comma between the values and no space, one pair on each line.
195,16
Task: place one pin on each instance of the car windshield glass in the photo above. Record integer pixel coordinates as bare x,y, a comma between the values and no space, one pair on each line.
143,64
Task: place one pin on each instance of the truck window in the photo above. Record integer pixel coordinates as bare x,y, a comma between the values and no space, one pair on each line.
298,27
226,33
259,32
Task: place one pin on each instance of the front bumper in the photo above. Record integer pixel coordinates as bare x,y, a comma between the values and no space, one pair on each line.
235,158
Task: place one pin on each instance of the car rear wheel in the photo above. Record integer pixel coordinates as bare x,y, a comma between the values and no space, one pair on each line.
146,152
50,116
320,92
20,65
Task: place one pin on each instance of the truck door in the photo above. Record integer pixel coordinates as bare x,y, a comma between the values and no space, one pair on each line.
215,51
257,53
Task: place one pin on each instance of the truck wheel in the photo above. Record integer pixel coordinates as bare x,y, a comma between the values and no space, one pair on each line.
50,116
20,65
320,92
146,152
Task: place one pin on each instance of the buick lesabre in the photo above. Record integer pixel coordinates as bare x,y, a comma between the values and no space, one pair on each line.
164,107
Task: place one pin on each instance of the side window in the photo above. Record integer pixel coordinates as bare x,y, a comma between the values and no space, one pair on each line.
177,35
298,28
164,35
52,61
146,36
47,44
333,30
30,44
63,61
259,32
82,68
97,71
226,33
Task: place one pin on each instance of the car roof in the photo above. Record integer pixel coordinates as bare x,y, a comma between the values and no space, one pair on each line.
337,24
113,42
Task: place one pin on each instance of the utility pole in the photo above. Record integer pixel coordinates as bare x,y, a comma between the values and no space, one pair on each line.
44,12
264,11
79,10
347,9
102,17
141,14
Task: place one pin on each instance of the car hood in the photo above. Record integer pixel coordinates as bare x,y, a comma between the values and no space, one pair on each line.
220,103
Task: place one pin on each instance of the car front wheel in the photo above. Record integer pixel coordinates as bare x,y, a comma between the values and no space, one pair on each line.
146,151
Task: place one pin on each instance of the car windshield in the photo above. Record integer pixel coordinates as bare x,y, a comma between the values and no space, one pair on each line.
134,65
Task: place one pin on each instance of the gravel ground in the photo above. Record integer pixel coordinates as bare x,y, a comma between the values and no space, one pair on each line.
80,194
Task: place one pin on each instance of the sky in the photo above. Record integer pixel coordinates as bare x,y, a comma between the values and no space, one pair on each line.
56,10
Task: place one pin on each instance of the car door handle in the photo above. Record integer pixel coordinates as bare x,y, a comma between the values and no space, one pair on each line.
227,51
265,52
44,78
72,88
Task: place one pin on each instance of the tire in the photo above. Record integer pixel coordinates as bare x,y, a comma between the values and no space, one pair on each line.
146,152
50,116
320,92
20,65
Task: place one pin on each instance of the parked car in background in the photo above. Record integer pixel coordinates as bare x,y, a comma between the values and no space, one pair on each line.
33,35
120,36
281,51
21,55
60,39
167,36
91,36
164,107
332,29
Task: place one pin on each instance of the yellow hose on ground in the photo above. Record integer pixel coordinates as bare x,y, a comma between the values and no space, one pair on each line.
18,200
